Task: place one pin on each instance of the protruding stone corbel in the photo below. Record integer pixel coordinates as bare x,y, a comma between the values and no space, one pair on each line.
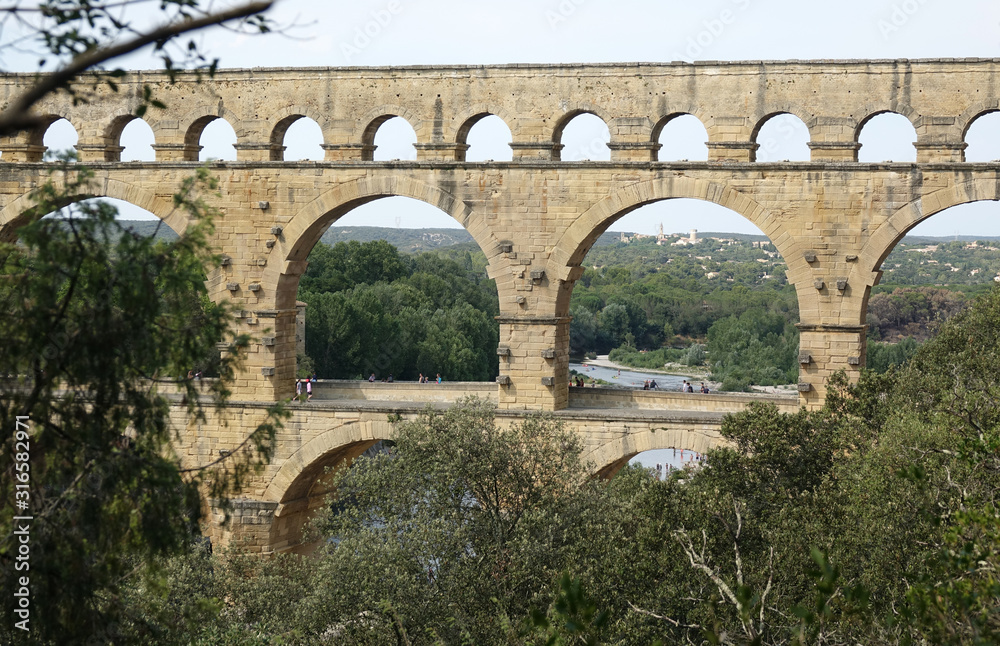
268,371
804,387
503,351
819,284
548,381
805,358
503,380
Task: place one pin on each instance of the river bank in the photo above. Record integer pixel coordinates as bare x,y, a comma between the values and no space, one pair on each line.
670,378
626,377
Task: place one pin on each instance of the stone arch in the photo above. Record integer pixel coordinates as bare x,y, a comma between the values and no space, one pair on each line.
307,226
281,125
885,238
785,109
871,111
661,123
112,135
571,113
293,487
281,276
368,124
316,454
658,124
193,124
464,122
36,137
967,118
569,252
608,458
23,209
576,241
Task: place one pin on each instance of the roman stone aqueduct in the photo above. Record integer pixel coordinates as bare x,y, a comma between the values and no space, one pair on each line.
833,219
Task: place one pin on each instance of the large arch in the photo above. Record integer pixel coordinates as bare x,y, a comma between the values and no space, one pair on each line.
888,235
293,487
290,482
24,209
579,237
307,226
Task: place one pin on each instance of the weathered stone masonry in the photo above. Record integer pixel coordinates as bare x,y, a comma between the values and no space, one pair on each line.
833,219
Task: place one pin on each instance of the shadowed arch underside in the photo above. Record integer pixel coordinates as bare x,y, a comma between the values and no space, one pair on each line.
302,484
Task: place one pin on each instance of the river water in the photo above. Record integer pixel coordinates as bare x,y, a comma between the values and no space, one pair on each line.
632,378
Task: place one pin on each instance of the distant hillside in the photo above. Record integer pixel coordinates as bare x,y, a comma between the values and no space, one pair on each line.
418,240
147,228
408,240
919,240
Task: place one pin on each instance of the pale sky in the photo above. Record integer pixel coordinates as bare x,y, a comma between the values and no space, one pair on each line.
407,32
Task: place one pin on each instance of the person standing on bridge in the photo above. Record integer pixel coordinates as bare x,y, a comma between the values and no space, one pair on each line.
309,390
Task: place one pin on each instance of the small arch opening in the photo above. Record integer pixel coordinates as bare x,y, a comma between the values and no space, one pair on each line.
682,137
217,141
887,137
488,138
782,137
301,137
584,136
391,137
137,139
983,138
60,138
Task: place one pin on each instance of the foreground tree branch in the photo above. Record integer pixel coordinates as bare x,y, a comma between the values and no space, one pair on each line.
17,116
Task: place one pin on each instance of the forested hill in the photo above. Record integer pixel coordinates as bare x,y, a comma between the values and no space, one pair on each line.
406,240
418,240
